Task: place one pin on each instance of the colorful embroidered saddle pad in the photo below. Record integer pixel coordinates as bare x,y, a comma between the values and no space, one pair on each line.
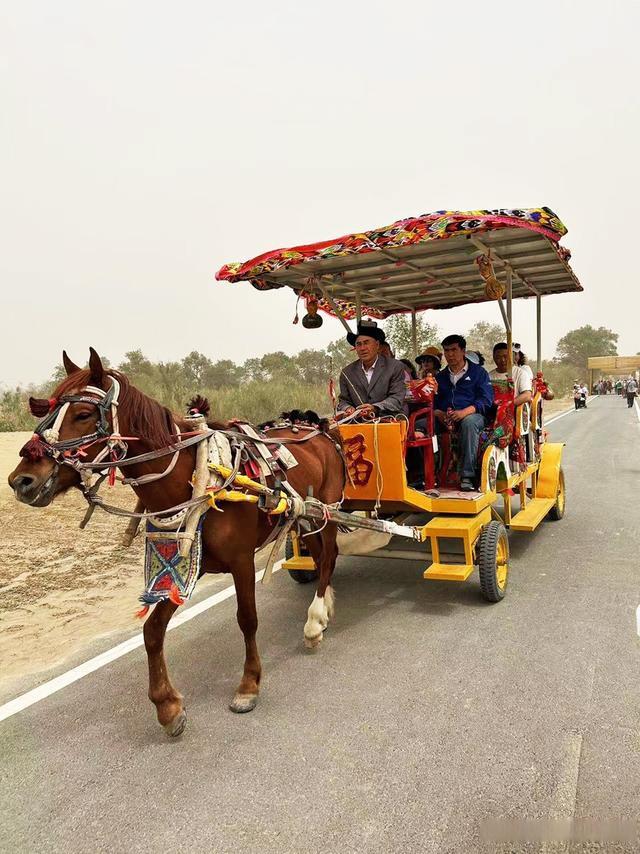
167,575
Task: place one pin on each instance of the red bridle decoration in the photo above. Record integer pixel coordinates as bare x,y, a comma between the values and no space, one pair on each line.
40,407
34,450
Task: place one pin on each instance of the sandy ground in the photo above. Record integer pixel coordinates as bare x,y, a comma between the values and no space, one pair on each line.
61,588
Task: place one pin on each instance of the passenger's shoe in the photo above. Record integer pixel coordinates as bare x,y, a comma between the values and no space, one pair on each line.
466,485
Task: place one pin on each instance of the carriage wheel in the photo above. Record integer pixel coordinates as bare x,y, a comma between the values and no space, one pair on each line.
493,561
557,511
302,576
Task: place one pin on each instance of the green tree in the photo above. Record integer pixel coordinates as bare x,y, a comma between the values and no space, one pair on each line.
174,389
196,368
277,364
313,366
576,346
398,332
223,374
482,336
340,353
252,370
139,370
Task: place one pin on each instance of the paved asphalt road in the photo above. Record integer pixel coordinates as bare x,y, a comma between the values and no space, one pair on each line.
424,713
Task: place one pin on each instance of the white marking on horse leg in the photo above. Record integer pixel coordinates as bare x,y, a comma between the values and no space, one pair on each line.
330,601
317,619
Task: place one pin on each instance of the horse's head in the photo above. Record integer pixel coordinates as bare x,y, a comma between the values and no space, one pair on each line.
76,420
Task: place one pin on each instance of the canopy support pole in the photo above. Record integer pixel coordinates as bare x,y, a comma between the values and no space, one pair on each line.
414,333
509,318
538,333
334,306
358,308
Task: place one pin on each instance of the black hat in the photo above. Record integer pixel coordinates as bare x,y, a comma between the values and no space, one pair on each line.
369,328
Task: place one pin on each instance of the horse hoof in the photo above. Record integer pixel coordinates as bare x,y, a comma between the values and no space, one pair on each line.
312,643
177,726
243,703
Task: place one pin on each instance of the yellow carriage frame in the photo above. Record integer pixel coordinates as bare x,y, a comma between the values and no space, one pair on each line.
438,261
539,488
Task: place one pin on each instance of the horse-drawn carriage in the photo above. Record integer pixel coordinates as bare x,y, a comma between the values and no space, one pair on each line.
204,495
438,261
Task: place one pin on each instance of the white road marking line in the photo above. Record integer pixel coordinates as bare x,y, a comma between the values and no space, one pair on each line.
637,409
18,704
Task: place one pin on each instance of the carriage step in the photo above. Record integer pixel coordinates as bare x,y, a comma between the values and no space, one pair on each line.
535,511
448,572
300,562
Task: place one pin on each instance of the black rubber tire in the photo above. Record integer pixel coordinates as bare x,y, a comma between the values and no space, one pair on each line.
288,548
302,576
493,537
557,511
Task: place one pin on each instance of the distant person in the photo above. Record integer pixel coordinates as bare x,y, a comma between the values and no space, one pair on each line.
632,391
584,394
577,395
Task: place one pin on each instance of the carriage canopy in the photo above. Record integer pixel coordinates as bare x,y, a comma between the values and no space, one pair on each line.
420,263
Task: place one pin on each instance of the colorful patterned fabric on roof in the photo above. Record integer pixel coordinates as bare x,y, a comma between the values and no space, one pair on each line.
405,232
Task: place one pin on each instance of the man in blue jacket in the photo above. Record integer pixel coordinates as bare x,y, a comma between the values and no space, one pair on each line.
464,397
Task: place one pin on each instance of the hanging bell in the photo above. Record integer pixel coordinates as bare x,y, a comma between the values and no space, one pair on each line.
312,319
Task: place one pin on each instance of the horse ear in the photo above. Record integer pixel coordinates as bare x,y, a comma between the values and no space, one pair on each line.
96,367
69,366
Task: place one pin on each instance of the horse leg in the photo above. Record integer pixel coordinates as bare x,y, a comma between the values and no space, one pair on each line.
246,696
324,552
163,695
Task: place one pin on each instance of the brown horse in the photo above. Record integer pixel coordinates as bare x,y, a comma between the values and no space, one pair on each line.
229,539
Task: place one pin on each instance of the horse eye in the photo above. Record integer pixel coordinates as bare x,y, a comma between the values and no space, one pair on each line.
83,416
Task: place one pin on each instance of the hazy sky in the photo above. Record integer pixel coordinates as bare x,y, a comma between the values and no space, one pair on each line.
144,144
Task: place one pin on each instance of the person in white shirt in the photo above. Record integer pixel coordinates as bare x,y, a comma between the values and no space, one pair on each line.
522,379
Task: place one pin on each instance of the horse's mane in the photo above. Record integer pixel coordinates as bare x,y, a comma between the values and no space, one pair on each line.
144,417
307,418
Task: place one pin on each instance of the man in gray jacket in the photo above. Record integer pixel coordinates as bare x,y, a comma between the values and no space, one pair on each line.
374,384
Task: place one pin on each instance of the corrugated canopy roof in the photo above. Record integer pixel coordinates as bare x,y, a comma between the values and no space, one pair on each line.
421,263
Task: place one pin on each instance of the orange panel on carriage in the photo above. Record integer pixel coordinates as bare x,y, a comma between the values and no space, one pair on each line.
375,456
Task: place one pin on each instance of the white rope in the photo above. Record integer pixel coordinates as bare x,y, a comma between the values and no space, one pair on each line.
379,475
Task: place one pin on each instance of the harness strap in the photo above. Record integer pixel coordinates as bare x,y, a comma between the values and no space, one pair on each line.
151,455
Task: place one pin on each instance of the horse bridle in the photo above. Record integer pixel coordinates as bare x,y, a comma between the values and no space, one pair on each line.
106,402
46,442
46,438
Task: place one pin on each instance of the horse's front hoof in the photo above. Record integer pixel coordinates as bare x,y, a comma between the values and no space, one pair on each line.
177,726
243,703
313,643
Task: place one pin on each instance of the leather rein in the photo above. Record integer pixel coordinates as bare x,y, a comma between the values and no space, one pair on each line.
46,442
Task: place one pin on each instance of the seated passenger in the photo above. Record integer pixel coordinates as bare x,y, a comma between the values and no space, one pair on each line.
373,384
463,399
522,380
476,357
429,362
